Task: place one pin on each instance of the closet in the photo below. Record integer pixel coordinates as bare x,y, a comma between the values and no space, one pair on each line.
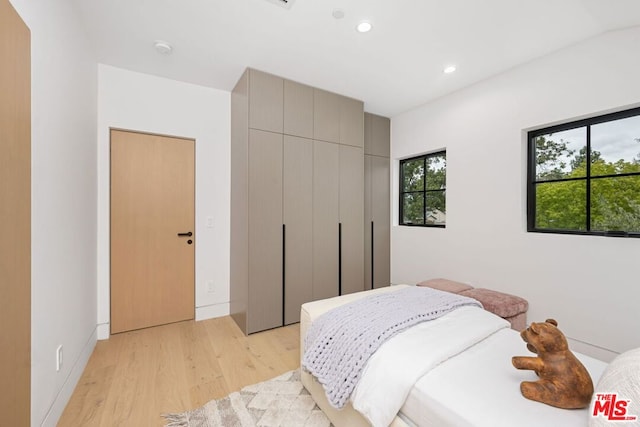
297,198
377,198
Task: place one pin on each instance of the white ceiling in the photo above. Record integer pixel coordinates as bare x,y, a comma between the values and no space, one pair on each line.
396,66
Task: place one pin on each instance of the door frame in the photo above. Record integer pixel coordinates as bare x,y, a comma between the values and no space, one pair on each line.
108,210
15,192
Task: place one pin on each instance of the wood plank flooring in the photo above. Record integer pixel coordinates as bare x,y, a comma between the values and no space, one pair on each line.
132,378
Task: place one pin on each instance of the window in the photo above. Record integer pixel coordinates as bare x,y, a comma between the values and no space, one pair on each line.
423,184
584,176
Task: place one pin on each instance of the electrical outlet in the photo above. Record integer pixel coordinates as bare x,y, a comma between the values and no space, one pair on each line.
210,221
210,288
59,358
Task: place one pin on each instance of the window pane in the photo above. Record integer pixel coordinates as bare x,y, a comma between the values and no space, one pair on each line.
437,172
413,175
561,205
436,208
561,154
615,204
615,147
413,208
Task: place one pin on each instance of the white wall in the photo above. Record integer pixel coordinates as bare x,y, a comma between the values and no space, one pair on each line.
63,289
589,284
141,102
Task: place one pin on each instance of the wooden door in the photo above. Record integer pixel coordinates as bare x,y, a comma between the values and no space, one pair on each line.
326,184
265,305
352,219
298,214
15,211
152,201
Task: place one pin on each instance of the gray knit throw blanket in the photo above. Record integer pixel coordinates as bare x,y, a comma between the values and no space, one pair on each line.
340,342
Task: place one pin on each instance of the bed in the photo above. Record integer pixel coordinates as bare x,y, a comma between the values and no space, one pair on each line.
454,392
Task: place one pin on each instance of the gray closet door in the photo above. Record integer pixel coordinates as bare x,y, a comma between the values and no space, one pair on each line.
351,122
266,101
298,214
352,218
326,115
298,109
265,231
380,215
376,135
368,284
326,168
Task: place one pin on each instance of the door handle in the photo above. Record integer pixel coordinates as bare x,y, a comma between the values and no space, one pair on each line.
187,234
372,254
339,258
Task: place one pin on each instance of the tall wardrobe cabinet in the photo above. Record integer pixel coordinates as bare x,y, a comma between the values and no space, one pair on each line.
297,198
377,201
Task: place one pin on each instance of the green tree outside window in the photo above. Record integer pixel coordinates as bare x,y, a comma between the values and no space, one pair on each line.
423,190
587,178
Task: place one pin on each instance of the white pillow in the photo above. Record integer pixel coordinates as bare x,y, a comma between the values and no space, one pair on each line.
621,379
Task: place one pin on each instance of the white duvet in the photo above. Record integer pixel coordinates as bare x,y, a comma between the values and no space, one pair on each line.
400,362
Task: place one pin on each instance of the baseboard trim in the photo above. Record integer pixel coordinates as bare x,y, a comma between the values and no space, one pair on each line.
212,311
594,351
202,313
60,402
104,331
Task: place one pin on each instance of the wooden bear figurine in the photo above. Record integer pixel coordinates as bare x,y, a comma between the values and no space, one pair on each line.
564,381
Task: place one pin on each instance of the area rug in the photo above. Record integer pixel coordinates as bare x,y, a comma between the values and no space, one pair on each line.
279,402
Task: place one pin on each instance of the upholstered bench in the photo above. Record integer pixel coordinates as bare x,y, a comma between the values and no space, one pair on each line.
509,307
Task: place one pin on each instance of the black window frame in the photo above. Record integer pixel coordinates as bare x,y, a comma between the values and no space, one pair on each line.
424,191
588,178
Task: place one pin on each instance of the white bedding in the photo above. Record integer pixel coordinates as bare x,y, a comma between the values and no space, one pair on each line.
480,387
393,370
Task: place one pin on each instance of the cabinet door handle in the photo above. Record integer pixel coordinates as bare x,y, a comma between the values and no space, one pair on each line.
284,264
187,234
339,258
372,257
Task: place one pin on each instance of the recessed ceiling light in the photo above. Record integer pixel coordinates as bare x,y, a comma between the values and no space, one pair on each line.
338,13
364,27
162,47
450,69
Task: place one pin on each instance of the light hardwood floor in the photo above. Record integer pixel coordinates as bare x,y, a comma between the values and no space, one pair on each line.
133,377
